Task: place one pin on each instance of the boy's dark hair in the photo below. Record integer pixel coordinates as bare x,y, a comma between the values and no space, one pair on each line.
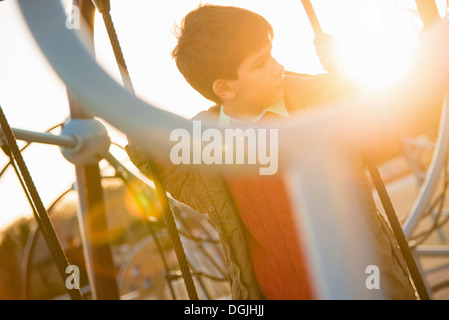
214,40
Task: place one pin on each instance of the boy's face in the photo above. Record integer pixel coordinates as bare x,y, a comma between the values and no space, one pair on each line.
260,81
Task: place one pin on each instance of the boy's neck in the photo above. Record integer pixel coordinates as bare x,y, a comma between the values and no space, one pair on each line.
240,112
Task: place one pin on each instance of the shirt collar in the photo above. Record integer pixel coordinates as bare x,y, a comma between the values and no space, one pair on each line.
277,108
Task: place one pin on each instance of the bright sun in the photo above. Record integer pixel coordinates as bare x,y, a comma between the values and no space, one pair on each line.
376,61
380,52
381,56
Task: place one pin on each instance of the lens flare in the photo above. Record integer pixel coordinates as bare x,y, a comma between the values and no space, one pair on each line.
143,204
378,59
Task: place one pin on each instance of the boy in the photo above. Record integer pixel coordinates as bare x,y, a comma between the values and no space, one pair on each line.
225,54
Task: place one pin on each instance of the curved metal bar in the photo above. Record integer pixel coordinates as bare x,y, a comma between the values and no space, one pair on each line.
433,175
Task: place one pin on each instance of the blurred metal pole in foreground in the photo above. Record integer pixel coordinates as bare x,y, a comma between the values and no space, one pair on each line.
332,223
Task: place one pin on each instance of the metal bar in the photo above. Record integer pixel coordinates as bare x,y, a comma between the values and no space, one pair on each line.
332,224
432,251
438,268
46,138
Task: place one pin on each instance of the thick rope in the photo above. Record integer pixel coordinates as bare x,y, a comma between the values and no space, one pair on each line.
144,212
398,232
43,219
174,235
166,209
118,53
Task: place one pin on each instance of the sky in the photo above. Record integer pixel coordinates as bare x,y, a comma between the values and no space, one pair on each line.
377,39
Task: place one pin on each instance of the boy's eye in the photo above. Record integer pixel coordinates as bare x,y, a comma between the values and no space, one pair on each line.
259,64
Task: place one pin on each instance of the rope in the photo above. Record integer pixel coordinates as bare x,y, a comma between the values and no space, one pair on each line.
43,219
120,173
398,232
173,233
124,73
313,19
160,190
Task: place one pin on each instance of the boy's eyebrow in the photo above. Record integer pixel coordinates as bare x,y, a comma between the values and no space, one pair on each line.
263,56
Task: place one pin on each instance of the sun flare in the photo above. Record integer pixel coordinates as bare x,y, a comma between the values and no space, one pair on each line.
379,52
381,56
375,61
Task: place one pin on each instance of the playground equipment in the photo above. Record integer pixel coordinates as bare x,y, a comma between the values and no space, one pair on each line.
91,89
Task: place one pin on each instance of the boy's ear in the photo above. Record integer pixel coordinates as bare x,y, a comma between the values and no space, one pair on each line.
224,89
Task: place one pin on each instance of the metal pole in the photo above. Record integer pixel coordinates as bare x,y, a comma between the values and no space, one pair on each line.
332,223
432,251
92,211
46,138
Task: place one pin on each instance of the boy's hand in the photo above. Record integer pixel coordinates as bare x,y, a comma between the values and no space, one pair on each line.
326,47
